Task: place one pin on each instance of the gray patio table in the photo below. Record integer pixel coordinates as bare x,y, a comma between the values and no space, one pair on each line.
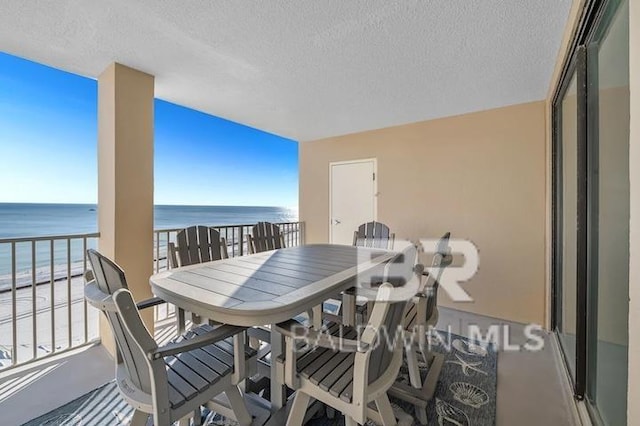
268,287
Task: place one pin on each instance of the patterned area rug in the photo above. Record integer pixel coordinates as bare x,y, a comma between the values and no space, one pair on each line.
466,391
465,394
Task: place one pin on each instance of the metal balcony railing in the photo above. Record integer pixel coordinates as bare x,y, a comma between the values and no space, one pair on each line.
42,306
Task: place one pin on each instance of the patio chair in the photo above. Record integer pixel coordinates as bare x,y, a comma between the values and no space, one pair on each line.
422,314
195,244
370,234
349,369
170,382
264,236
374,234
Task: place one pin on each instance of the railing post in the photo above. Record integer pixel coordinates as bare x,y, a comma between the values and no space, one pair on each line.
34,299
69,320
14,308
84,301
52,294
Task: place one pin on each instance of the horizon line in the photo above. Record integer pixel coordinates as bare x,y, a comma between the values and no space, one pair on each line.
155,205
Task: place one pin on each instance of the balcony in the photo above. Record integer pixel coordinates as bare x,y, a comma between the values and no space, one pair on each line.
36,380
41,370
484,119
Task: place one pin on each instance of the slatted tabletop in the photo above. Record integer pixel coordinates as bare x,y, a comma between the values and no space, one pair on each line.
267,287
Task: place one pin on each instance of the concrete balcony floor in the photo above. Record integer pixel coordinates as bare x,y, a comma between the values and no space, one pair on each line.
532,387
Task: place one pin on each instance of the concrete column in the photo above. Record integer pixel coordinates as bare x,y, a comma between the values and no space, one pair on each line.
125,179
633,408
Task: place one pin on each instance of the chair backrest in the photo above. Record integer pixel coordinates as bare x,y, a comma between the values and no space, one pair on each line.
197,244
441,259
132,338
265,236
373,234
399,271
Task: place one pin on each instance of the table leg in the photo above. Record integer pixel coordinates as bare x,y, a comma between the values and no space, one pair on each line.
239,360
316,319
349,309
278,390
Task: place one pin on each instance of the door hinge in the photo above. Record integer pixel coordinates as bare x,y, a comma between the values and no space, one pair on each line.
374,176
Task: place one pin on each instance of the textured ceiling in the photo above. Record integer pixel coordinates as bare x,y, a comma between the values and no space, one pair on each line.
305,69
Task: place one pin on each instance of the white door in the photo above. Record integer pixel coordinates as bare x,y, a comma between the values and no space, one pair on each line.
352,198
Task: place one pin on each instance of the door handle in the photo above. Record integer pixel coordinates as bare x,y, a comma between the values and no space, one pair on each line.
336,222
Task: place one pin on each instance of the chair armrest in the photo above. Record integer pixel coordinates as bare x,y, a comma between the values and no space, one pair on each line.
93,294
351,291
427,292
292,329
421,297
97,298
149,303
216,335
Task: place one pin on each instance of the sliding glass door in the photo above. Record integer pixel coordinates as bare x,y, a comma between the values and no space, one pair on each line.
608,312
591,211
567,168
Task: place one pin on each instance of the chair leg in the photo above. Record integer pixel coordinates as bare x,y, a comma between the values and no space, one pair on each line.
139,418
412,366
421,414
197,417
316,318
298,409
386,412
331,413
348,421
181,321
237,405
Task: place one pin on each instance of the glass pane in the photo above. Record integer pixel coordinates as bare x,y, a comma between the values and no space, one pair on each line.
568,224
609,383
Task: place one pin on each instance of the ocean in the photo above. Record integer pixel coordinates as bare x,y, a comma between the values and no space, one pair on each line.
18,220
33,220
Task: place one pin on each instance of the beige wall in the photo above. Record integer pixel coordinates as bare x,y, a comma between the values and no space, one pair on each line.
633,416
480,176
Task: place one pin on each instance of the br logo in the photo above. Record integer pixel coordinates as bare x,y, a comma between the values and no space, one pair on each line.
399,272
454,276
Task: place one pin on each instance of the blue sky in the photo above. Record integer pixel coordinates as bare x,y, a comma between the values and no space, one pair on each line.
48,152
